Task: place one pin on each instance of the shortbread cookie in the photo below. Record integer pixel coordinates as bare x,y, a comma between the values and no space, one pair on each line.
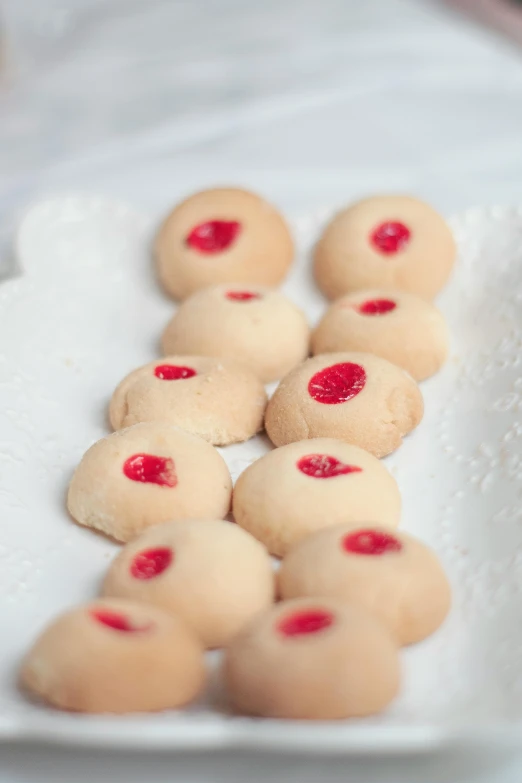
400,327
390,574
312,659
219,400
309,485
210,572
223,235
115,656
257,326
388,242
147,474
356,397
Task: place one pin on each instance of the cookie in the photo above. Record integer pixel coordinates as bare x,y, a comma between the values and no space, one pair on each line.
219,400
356,397
390,574
115,656
257,326
147,474
209,572
309,485
400,327
386,242
223,235
313,659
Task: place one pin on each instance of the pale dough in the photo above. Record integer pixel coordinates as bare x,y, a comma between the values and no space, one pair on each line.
393,575
356,397
210,572
312,659
257,326
219,400
147,474
115,656
400,327
388,242
306,486
223,235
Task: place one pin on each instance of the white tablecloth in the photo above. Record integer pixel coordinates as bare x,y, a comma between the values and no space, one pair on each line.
380,94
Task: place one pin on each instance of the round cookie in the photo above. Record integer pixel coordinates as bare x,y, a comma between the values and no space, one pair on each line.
221,401
400,327
259,327
312,659
309,485
356,397
115,656
390,574
387,242
147,474
223,235
209,572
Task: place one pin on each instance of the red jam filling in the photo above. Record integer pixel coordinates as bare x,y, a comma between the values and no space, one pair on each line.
150,469
377,306
324,466
214,236
242,296
338,383
305,622
370,542
173,372
390,237
151,562
117,621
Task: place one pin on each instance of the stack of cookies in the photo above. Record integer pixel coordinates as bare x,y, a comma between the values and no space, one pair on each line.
309,587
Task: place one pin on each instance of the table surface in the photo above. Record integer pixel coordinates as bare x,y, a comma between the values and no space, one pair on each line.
389,94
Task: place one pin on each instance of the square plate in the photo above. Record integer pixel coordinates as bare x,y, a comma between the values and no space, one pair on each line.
87,310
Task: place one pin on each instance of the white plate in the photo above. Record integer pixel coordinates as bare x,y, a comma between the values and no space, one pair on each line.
87,310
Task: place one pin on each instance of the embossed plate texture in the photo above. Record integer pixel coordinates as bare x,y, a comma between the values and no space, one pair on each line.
87,310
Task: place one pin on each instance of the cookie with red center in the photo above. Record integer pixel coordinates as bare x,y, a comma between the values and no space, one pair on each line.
390,574
115,656
223,235
313,659
210,572
400,327
385,242
147,474
219,400
309,485
356,397
258,327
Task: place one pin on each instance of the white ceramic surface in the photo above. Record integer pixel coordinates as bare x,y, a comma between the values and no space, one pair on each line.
87,310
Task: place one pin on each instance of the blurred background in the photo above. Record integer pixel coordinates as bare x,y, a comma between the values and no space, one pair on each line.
423,95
